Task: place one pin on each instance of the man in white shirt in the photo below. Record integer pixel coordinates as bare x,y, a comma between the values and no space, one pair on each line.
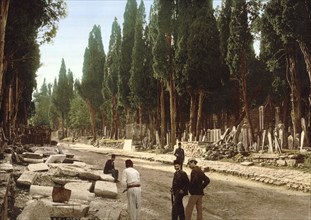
131,180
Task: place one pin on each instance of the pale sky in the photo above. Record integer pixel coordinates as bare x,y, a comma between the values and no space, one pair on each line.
73,33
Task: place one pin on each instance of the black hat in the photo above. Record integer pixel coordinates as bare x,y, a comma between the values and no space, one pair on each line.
192,160
128,163
176,162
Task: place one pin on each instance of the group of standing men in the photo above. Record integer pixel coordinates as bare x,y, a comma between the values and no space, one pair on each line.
182,185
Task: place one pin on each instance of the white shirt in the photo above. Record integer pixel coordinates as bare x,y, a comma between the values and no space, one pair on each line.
130,176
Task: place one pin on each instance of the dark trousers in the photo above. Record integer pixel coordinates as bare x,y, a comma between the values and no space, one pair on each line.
114,174
178,208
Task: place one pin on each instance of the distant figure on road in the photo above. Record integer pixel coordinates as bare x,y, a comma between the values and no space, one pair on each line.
198,181
131,181
178,191
180,155
110,169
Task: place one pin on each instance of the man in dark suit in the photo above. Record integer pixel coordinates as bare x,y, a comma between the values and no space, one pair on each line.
110,169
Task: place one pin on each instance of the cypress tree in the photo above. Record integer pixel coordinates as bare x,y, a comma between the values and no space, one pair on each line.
93,75
110,83
203,75
126,55
239,55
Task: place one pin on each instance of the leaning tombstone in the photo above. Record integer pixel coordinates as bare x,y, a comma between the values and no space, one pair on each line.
270,146
290,142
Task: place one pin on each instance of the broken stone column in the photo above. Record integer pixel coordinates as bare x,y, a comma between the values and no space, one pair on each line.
290,142
245,137
270,146
261,118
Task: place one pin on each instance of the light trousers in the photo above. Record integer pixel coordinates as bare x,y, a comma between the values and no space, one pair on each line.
134,202
194,200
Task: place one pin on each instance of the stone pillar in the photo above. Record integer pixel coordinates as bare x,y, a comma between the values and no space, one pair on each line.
263,140
270,147
277,116
281,128
290,142
261,118
245,137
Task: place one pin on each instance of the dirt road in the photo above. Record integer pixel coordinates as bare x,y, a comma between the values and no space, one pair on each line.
226,197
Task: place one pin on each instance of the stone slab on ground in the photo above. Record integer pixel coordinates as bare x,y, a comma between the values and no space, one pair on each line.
56,158
41,190
32,155
7,167
27,178
247,163
34,210
38,167
81,185
106,189
32,160
104,177
45,209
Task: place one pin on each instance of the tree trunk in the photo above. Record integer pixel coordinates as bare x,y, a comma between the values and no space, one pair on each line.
92,111
244,95
4,10
172,91
113,125
172,112
193,110
199,120
307,57
162,113
295,89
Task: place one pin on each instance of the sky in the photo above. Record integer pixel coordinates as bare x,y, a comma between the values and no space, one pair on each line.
73,34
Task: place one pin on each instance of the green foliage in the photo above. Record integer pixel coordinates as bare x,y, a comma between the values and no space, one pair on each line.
93,70
161,47
79,115
42,102
203,65
138,75
126,52
112,67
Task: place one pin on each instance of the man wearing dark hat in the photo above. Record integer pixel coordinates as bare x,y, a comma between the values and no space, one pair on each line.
179,190
131,180
180,155
198,181
110,169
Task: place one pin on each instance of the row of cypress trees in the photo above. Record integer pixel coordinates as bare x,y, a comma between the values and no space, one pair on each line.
190,64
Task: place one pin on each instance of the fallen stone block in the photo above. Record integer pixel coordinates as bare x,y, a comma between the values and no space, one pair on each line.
81,195
106,189
104,177
81,185
31,160
40,190
38,167
89,176
69,171
27,178
6,167
291,162
281,162
34,210
32,155
45,210
80,190
57,158
247,163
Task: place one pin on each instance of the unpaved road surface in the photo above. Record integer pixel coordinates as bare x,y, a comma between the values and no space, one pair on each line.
226,197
